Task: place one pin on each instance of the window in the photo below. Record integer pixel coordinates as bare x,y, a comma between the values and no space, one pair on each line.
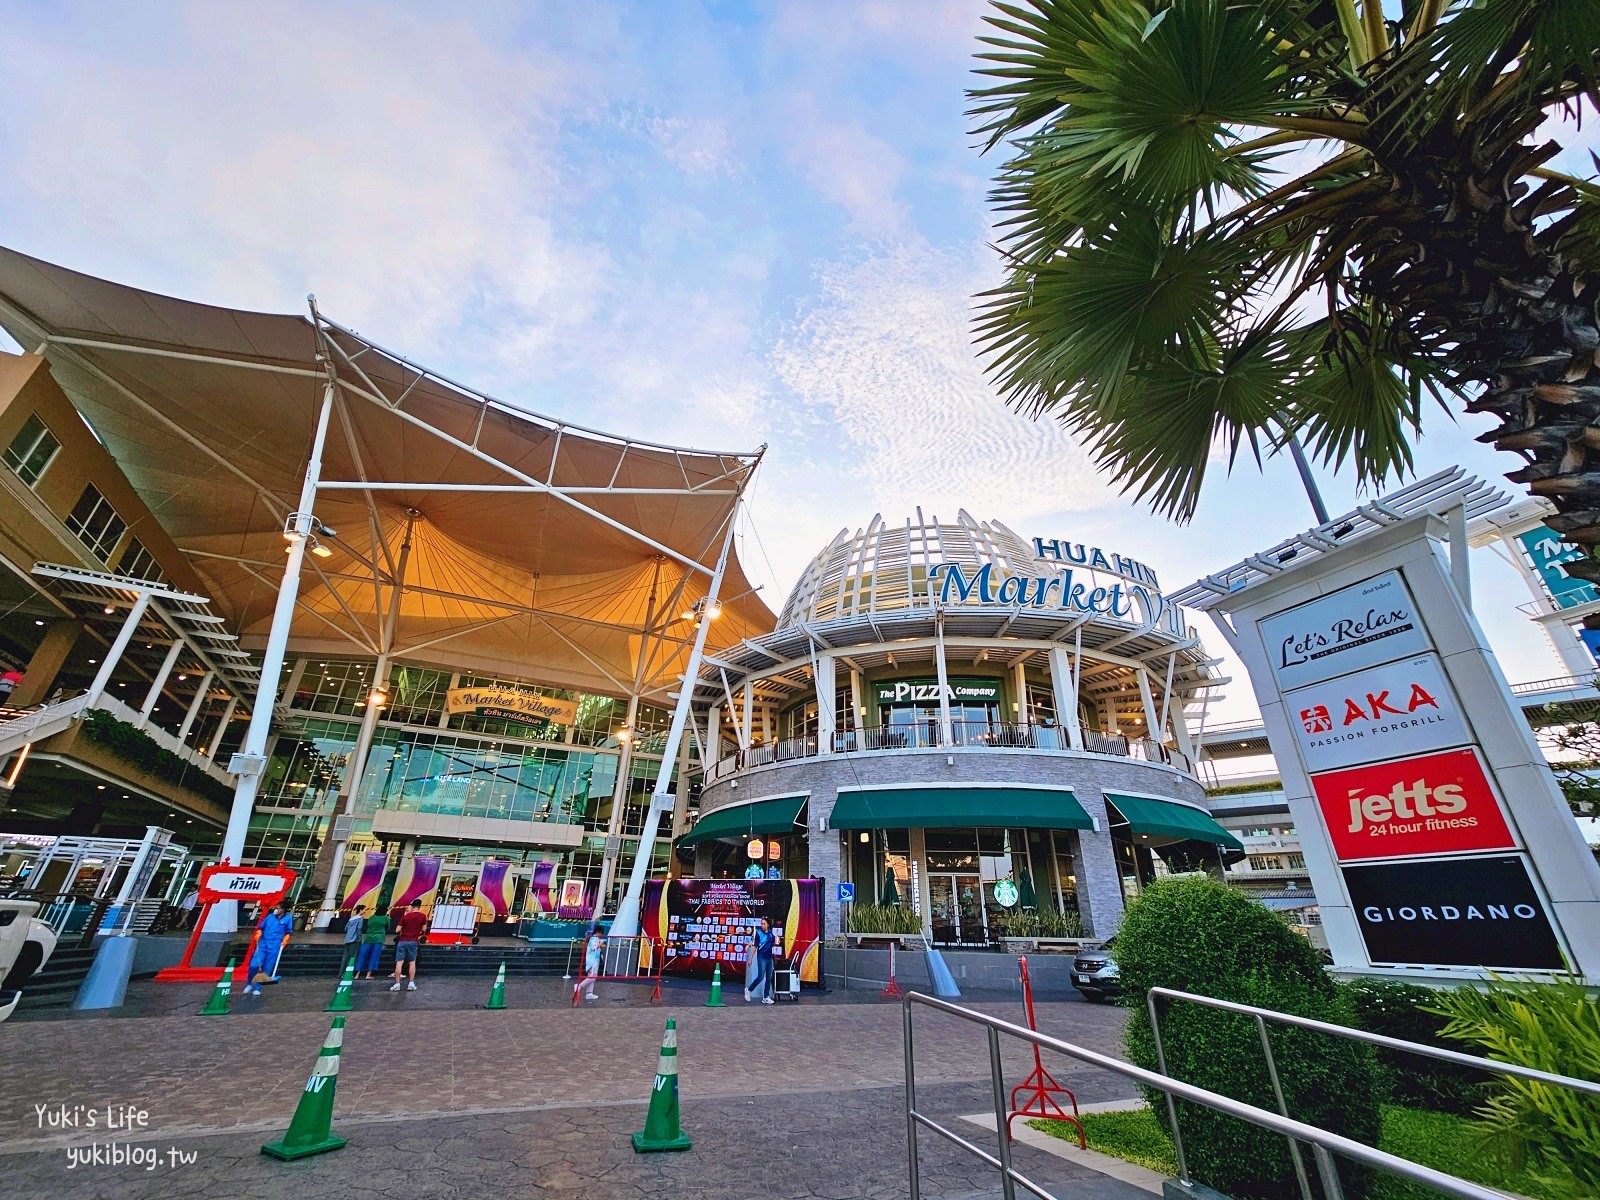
138,562
96,523
1297,862
32,450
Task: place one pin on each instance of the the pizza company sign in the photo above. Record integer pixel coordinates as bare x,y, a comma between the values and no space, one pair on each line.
1402,708
1431,804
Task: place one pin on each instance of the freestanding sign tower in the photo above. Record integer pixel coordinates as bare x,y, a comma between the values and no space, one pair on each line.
1436,836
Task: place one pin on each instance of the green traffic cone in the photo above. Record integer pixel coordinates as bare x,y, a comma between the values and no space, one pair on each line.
311,1127
661,1130
341,994
715,1000
217,1004
497,994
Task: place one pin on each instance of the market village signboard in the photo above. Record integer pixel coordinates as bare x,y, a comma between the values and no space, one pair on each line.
513,704
1072,586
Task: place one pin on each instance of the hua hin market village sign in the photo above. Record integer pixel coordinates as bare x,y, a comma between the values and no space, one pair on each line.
514,704
1070,589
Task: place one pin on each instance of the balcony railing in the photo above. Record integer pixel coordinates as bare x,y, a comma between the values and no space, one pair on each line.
965,735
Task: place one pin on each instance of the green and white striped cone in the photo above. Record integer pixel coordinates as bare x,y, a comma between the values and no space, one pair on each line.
311,1128
497,994
217,1002
661,1130
341,994
715,999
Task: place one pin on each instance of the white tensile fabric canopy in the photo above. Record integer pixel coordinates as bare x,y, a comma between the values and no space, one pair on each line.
522,545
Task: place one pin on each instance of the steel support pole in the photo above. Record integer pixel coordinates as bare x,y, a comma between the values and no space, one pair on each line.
252,756
196,705
627,920
946,731
222,727
619,804
114,654
1307,480
160,680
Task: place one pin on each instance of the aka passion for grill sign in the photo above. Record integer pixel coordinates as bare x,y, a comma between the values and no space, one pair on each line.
1401,708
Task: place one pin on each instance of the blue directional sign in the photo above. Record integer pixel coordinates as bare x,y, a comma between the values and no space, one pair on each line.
847,893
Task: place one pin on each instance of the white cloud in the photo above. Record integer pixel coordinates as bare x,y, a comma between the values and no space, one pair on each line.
400,165
854,169
885,358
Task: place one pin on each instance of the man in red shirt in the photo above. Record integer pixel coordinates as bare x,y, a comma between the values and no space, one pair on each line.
408,932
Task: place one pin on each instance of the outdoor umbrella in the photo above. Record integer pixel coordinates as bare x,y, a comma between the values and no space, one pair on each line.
891,893
1025,896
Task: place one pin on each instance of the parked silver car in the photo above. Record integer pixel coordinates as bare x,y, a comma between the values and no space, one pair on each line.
1095,974
26,944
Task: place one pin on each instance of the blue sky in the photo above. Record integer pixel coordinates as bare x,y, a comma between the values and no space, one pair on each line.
705,221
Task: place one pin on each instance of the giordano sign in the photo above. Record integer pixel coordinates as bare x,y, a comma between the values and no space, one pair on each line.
1074,586
514,704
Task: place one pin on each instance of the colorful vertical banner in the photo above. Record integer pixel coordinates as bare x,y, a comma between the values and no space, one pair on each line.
365,880
707,921
494,890
418,880
539,887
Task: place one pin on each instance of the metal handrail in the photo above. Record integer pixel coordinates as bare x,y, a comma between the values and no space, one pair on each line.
1263,1015
1324,1143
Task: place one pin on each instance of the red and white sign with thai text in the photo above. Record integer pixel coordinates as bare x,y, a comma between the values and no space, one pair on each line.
1396,710
1432,804
224,882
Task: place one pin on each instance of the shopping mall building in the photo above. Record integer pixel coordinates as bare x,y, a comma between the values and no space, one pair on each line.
473,624
978,724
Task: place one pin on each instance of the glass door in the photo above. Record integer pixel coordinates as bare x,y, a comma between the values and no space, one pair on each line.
957,908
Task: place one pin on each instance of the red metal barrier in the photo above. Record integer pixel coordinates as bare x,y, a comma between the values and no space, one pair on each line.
658,957
892,992
1040,1087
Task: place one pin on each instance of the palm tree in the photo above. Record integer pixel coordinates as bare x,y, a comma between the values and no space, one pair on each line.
1248,223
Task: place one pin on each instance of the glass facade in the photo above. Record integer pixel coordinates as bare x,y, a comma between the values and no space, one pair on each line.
423,760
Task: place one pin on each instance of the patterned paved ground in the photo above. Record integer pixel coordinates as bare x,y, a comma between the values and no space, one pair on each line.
782,1101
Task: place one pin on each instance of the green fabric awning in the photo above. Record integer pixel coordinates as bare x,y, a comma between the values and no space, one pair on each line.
1167,818
776,815
958,807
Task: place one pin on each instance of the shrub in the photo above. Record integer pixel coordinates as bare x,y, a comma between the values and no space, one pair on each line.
1197,935
1400,1010
884,918
138,749
1553,1131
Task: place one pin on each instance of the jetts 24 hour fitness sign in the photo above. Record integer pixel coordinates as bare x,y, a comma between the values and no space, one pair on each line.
1371,622
1402,708
1432,804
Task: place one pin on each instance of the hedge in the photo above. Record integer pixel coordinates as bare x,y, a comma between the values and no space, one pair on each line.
1197,935
1398,1010
138,749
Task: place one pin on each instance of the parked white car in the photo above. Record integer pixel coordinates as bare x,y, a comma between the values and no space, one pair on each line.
26,944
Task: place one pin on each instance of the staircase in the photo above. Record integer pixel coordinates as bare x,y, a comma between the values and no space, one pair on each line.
25,726
56,983
521,958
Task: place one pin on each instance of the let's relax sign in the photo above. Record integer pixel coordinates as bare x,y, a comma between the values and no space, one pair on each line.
514,704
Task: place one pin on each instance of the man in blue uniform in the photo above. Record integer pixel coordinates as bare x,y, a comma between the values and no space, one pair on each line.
274,928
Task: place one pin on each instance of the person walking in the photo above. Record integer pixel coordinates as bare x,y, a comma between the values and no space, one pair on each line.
353,929
187,907
274,931
763,947
593,952
373,935
407,936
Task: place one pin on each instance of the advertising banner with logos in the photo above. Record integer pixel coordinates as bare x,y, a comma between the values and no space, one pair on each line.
707,921
1432,827
1431,804
1374,621
1398,708
1457,912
